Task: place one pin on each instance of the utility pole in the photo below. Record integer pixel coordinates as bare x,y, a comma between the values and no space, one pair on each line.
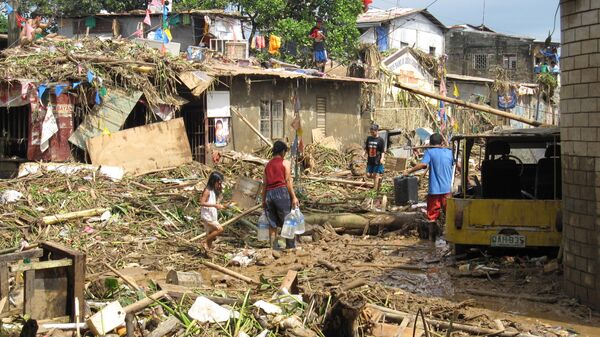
13,29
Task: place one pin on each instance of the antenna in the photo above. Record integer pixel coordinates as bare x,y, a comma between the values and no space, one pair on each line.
483,15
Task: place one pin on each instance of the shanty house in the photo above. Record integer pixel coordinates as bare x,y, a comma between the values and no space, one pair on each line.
396,28
215,29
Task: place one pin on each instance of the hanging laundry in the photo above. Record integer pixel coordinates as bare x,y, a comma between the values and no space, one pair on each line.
455,92
9,9
274,44
174,20
168,34
260,42
187,19
147,19
58,90
41,90
90,76
139,32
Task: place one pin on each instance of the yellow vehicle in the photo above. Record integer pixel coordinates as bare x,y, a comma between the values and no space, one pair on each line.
517,202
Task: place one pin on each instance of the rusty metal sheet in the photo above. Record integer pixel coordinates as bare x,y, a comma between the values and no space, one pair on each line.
110,115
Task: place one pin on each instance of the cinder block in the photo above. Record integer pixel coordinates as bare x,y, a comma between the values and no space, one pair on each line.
589,18
581,61
582,33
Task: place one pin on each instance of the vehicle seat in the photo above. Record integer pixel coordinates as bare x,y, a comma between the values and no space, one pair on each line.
548,174
500,176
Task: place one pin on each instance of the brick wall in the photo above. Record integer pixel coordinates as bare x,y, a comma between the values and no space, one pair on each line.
580,138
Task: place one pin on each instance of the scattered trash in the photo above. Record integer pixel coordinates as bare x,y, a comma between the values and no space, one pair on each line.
10,196
268,307
205,310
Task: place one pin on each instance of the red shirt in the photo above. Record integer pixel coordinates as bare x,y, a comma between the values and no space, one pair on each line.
275,174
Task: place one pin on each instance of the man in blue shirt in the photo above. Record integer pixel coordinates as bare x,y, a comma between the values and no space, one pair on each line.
441,169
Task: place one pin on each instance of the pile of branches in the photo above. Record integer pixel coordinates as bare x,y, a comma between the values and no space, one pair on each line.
120,64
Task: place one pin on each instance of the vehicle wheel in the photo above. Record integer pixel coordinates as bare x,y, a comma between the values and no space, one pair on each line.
459,249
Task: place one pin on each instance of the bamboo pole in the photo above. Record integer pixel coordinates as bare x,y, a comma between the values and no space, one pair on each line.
230,221
52,219
474,106
243,118
229,272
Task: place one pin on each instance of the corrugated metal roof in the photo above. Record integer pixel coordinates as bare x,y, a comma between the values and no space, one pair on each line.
110,115
376,16
221,69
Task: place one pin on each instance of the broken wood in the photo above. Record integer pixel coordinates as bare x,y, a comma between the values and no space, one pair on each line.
354,284
27,254
340,181
388,266
125,278
512,296
260,135
184,278
328,265
290,282
479,107
21,267
164,328
399,316
143,303
53,219
229,272
230,221
130,325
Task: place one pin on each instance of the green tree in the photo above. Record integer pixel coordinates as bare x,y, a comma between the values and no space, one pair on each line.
3,24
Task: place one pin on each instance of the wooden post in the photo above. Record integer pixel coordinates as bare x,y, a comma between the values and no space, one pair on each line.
13,29
29,292
3,285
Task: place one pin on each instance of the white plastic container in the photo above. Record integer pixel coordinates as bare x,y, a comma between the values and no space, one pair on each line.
263,228
289,226
300,228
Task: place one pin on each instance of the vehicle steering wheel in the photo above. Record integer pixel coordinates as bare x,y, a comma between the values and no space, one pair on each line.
520,163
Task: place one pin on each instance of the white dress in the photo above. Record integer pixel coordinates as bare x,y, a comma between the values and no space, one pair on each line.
209,214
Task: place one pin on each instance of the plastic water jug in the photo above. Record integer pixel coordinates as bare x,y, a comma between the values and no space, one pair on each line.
263,228
289,226
300,228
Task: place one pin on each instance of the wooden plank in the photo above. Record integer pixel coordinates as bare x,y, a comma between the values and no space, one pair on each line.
110,115
51,293
40,265
29,292
4,285
230,221
143,149
245,192
143,303
245,120
28,254
52,219
290,282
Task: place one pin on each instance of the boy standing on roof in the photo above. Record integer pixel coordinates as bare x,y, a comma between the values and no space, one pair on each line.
319,52
375,149
440,162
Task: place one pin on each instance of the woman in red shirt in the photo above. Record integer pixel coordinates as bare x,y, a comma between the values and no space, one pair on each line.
278,191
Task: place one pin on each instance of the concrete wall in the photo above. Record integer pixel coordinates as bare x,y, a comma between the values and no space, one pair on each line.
344,120
416,30
461,46
580,138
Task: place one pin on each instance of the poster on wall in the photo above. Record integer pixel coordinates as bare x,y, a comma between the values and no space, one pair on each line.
217,104
221,132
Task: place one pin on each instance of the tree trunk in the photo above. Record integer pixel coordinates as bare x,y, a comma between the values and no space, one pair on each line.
354,221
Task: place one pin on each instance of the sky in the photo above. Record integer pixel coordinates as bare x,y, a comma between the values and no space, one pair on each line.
533,18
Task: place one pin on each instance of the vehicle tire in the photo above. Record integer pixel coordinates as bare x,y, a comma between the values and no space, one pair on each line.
458,249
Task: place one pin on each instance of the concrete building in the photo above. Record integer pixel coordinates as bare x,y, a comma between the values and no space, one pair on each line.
580,138
214,28
476,50
397,28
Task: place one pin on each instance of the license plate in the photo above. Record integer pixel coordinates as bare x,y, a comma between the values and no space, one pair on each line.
501,240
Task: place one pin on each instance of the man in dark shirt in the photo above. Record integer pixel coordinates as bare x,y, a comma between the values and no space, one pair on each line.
375,149
319,52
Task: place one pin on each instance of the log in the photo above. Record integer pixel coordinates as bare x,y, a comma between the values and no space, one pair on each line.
341,181
290,282
359,222
143,303
171,324
129,325
53,219
328,265
392,266
184,278
229,272
479,107
512,296
243,118
399,316
354,284
230,221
